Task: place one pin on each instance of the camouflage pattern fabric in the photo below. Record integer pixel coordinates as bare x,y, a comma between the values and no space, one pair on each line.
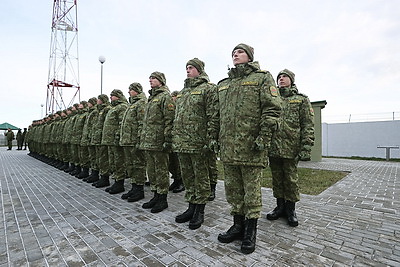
285,178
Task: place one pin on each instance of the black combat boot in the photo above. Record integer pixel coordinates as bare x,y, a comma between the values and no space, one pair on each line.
198,217
77,170
65,166
161,204
117,187
235,232
211,197
137,194
129,193
174,184
187,215
179,188
249,238
83,174
152,202
94,177
291,214
279,210
104,181
70,168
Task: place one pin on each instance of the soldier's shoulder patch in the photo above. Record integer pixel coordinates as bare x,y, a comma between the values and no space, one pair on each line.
171,107
295,101
221,88
179,95
249,83
262,71
155,100
195,93
273,90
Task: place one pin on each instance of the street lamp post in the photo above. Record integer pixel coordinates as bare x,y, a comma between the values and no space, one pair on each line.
102,59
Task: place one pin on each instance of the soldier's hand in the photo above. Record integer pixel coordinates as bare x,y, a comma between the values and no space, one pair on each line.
167,146
260,144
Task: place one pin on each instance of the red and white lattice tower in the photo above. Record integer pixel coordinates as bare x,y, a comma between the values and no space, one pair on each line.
63,79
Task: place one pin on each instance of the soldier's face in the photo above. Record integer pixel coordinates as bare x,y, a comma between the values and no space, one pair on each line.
113,97
284,81
239,56
99,102
191,71
133,93
154,83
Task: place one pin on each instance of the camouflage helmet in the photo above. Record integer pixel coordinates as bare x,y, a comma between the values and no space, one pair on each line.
83,103
289,73
248,49
104,98
93,101
76,105
197,63
159,76
118,93
137,87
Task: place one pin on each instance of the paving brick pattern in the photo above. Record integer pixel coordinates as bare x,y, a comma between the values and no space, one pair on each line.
49,218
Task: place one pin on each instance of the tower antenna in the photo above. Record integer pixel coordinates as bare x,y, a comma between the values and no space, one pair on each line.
63,76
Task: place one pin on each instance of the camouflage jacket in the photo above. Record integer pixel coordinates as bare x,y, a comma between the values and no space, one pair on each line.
69,127
78,126
196,115
97,130
249,105
88,126
158,119
132,122
9,135
112,123
296,127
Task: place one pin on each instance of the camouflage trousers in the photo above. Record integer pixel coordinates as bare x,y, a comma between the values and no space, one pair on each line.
157,171
173,166
135,165
84,159
93,157
195,177
102,159
285,178
212,167
116,160
74,154
243,190
66,153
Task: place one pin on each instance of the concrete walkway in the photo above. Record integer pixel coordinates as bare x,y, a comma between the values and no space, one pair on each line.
49,218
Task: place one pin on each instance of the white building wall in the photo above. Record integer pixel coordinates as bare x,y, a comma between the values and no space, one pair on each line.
361,139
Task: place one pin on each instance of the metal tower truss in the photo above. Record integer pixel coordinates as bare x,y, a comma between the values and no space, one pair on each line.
63,77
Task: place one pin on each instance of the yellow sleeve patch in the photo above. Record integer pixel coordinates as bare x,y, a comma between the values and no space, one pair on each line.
249,83
196,93
223,88
273,90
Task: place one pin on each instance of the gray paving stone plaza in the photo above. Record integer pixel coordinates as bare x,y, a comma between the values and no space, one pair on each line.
50,218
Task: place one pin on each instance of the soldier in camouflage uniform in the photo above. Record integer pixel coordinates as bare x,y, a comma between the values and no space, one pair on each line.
290,143
103,107
72,145
87,138
10,136
76,139
131,128
156,140
174,166
249,106
195,129
111,138
84,153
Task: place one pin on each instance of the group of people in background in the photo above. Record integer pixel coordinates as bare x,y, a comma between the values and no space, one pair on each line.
246,119
21,140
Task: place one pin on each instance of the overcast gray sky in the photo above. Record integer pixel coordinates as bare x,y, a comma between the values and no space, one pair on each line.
345,52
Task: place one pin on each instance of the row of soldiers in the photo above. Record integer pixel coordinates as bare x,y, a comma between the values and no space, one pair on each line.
245,118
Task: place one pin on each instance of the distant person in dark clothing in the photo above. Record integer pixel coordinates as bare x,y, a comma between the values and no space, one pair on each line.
10,137
20,140
24,139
